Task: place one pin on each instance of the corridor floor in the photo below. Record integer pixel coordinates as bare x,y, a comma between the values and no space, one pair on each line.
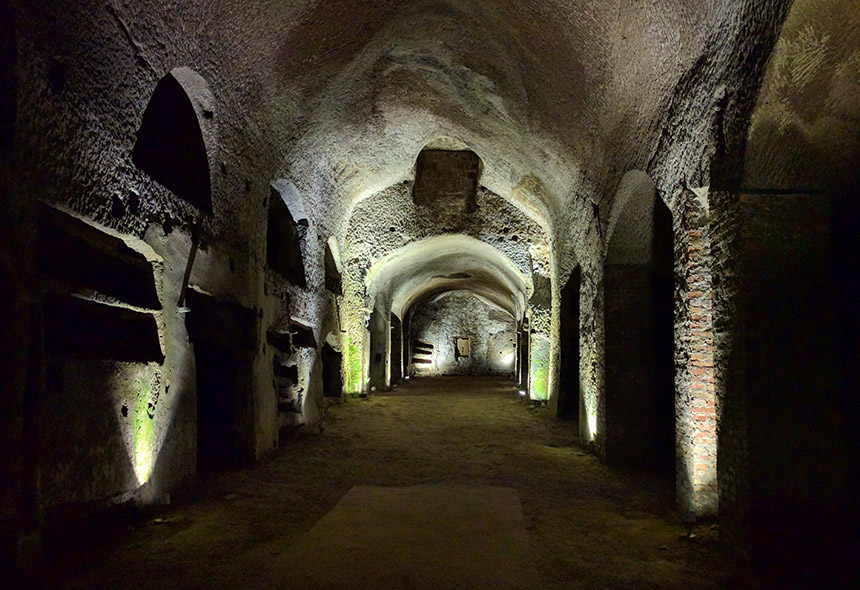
588,526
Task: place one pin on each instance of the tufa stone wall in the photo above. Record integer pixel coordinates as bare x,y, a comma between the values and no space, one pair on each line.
490,331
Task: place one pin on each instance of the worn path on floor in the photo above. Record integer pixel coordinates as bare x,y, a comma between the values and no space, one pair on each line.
587,525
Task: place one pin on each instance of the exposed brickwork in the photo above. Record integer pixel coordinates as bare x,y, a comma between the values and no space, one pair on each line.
695,408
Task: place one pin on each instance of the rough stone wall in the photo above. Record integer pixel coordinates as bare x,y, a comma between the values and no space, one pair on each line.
105,450
803,131
85,77
491,332
591,355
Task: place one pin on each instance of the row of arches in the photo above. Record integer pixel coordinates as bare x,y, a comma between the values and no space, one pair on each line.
422,274
643,416
638,406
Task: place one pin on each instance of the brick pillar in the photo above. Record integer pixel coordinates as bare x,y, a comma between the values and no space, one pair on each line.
695,403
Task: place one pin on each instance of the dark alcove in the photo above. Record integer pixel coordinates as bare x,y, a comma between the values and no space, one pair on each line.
170,146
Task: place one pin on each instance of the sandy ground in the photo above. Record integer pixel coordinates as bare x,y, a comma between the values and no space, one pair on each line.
589,526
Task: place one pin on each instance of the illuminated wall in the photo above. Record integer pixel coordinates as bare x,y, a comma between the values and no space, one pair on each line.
491,333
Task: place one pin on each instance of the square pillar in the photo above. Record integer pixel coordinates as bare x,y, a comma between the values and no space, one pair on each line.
695,402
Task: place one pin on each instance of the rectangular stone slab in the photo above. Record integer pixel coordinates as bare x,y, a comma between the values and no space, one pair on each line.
427,536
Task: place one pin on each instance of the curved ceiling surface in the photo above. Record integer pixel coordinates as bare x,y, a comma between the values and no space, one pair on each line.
424,269
550,94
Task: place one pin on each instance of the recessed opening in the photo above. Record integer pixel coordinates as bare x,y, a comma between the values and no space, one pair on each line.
283,247
77,327
224,338
568,400
170,147
463,348
332,378
333,277
447,179
75,255
396,349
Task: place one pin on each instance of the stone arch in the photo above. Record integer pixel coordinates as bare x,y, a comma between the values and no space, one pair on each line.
287,223
639,335
175,133
630,223
422,270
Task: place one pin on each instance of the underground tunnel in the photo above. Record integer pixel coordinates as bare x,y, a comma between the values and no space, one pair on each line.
568,282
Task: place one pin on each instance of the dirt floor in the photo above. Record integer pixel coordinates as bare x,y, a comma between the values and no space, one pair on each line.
590,526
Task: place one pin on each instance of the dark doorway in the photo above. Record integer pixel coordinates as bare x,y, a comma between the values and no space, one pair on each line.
568,393
396,349
663,286
524,336
224,336
639,321
170,146
218,385
283,241
332,380
406,337
378,329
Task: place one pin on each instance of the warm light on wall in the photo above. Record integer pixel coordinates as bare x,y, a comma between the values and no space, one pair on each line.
592,424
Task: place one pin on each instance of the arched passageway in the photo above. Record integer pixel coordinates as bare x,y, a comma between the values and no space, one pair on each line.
208,265
468,336
458,297
639,296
